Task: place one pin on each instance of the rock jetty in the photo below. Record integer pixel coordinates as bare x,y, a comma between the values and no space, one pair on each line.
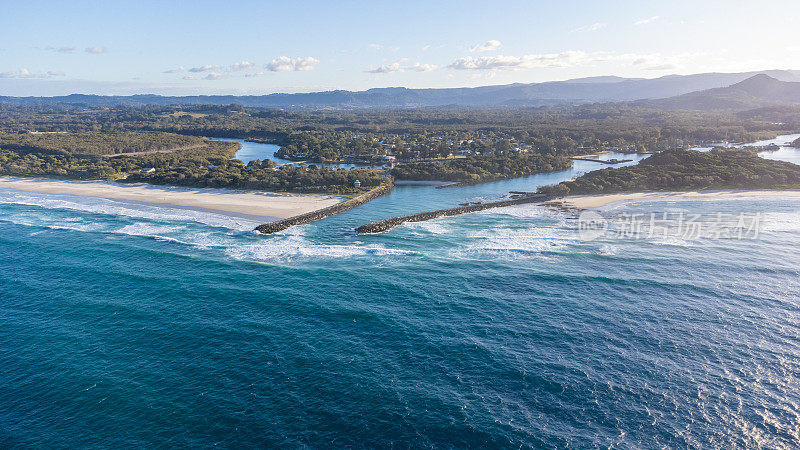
604,161
280,225
386,224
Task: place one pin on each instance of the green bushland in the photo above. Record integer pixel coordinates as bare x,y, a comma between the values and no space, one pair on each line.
499,143
97,143
75,156
262,175
408,134
477,169
682,170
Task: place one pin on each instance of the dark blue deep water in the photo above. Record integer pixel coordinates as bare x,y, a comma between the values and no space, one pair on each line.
134,325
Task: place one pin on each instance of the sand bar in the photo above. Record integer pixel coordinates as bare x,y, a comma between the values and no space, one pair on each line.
596,201
251,203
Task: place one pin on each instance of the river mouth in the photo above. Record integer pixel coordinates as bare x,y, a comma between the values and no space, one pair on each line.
413,198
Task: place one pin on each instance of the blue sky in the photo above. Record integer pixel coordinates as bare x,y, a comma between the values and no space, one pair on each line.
250,47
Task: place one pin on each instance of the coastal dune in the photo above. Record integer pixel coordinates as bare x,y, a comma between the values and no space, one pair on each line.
250,203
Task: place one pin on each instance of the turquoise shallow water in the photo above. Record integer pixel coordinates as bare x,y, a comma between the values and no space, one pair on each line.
133,325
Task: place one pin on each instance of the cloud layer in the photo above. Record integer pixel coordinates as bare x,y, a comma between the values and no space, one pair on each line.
397,67
60,49
593,27
486,46
287,64
502,62
25,73
646,21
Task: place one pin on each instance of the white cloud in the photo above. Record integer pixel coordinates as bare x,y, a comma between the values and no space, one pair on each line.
426,48
60,49
242,65
397,67
214,76
375,46
388,68
25,73
254,75
96,50
486,46
657,61
188,77
205,68
287,64
177,70
593,27
420,67
572,58
501,62
646,21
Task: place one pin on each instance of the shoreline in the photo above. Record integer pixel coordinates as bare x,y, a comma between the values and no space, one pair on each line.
601,200
243,204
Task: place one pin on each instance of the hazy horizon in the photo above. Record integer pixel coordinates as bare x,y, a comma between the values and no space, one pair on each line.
145,93
255,48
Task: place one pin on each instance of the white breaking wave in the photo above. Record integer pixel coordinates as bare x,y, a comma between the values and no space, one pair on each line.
535,239
524,211
430,226
780,221
122,208
296,246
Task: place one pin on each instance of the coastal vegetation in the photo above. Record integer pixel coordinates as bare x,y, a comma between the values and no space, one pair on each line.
408,134
796,143
194,162
98,143
682,170
164,144
482,168
263,175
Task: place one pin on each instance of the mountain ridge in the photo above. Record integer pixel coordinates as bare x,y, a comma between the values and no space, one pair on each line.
760,90
575,91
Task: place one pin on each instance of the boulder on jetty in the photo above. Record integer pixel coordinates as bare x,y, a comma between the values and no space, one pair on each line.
386,224
280,225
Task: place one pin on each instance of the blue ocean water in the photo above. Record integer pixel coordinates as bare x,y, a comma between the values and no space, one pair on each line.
135,325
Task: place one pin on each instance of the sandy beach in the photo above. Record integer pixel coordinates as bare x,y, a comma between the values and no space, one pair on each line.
597,201
262,204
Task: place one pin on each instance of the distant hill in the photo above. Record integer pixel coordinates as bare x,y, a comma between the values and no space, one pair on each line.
576,91
757,91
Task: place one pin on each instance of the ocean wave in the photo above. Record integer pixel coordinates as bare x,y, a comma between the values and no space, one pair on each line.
429,227
524,211
95,205
532,240
780,221
294,244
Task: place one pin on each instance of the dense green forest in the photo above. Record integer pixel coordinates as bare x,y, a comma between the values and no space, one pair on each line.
451,144
330,135
96,143
199,163
55,162
259,175
476,169
680,170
